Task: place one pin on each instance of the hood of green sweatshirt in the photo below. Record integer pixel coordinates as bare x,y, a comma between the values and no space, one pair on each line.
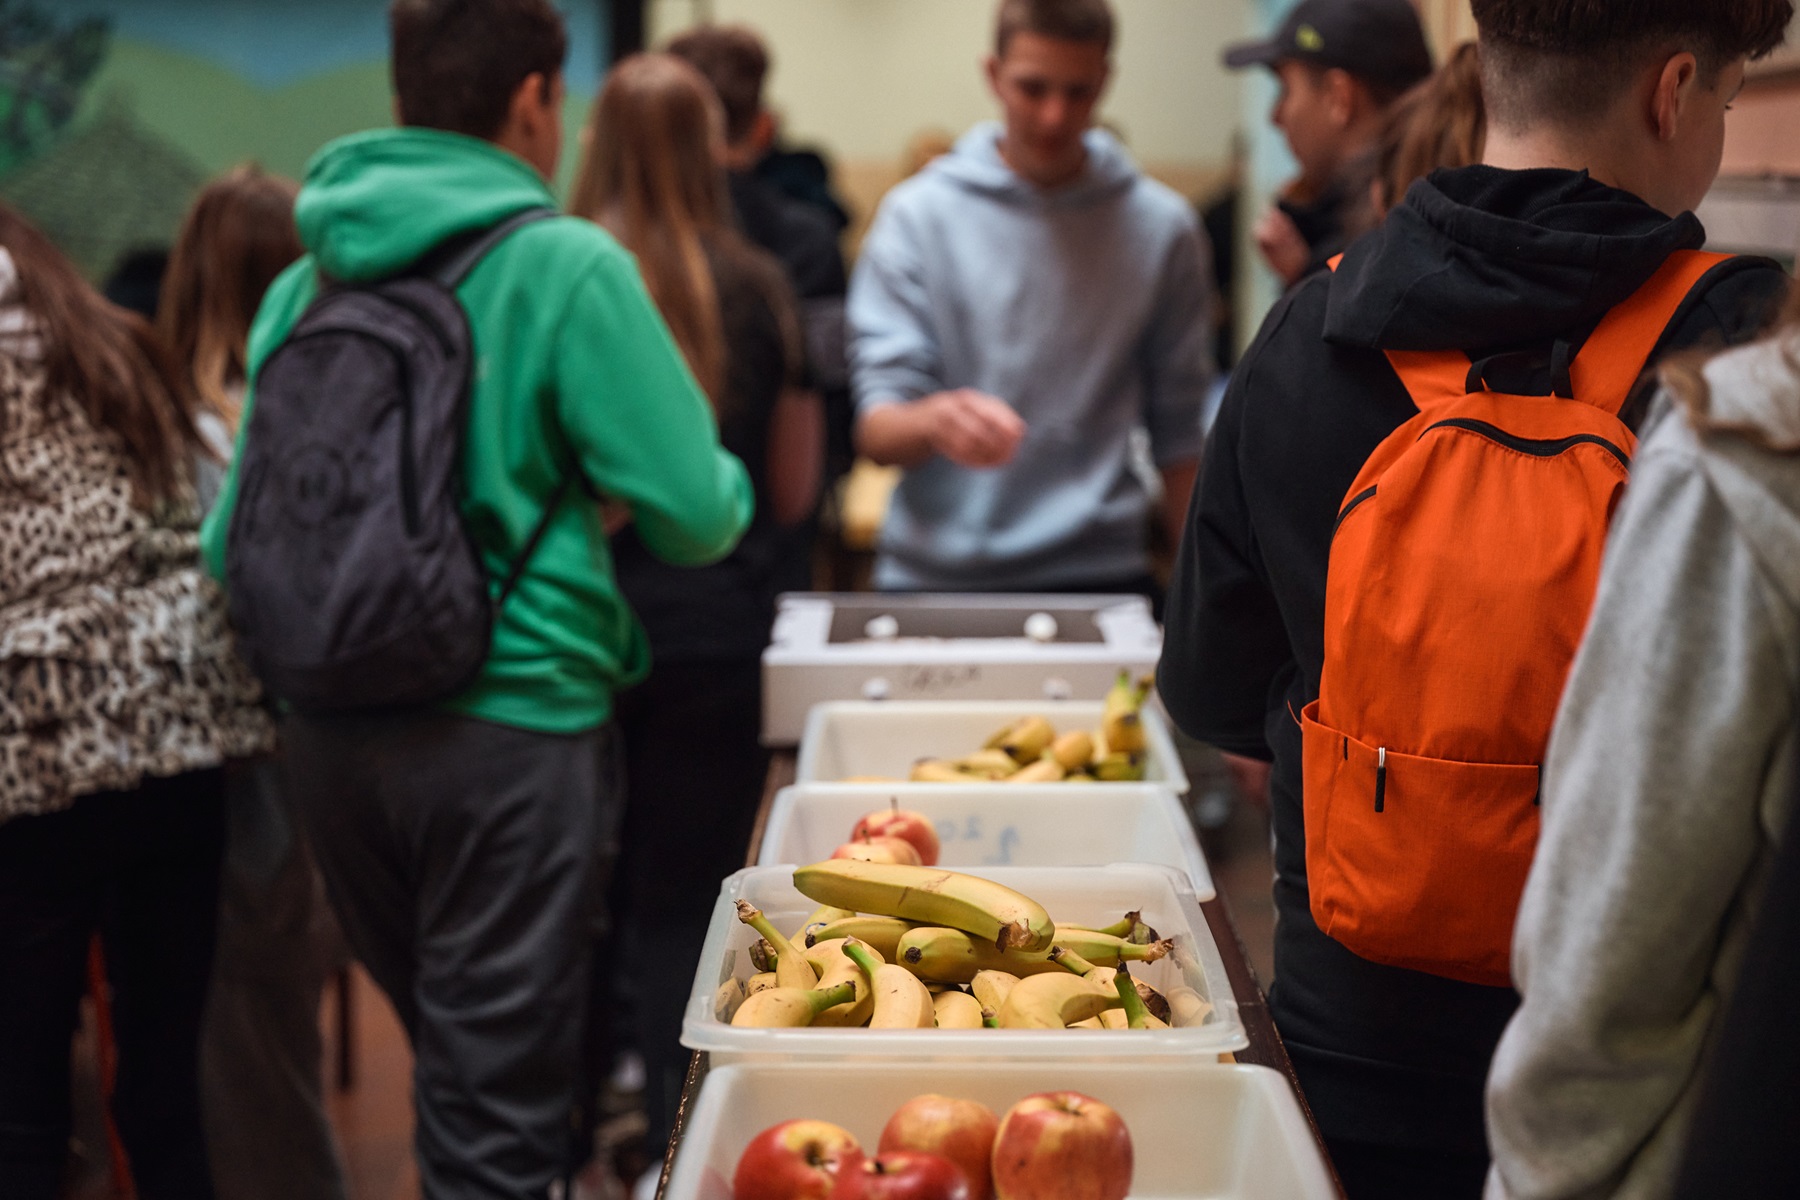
374,203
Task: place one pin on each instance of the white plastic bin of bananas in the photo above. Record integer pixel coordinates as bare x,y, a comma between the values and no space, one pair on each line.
849,957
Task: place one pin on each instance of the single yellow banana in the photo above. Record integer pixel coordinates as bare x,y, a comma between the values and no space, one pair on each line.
1120,928
988,764
822,915
789,1008
956,1010
992,987
1044,770
760,982
1120,767
1055,1001
952,956
1028,739
1105,950
835,967
728,999
1187,1007
997,739
1121,718
1114,1018
987,910
936,770
791,969
900,1000
1073,750
883,933
1090,1023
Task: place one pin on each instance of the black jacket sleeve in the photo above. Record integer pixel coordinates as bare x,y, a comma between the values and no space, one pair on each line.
1224,644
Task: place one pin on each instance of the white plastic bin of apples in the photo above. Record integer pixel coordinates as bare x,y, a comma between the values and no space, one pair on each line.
1197,1132
979,826
847,741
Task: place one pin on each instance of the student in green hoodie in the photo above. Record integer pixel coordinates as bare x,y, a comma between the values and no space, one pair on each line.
464,845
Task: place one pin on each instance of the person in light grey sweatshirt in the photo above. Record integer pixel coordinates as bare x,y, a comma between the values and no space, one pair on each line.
1023,310
1666,792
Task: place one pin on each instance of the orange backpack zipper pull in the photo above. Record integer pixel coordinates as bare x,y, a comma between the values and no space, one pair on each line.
1380,778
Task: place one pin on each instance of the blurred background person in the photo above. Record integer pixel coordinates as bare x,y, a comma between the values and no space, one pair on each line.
1024,308
1341,64
260,1051
654,178
121,696
802,235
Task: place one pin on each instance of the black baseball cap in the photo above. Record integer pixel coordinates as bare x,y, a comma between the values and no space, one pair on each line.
1377,40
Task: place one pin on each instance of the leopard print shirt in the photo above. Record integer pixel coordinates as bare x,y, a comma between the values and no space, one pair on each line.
116,661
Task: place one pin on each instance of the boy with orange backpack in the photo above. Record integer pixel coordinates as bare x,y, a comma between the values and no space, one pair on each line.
1395,545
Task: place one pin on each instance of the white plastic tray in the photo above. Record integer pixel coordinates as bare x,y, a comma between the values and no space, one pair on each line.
1021,826
849,738
1198,1132
1083,895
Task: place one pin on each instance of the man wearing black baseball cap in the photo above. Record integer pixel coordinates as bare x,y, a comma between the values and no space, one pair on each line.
1341,64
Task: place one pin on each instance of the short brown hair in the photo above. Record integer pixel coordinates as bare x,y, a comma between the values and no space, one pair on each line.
734,60
1569,60
457,63
1065,20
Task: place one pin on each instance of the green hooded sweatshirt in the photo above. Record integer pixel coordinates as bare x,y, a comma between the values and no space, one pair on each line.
573,367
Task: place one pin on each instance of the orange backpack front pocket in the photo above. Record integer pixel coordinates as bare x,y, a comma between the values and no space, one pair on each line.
1416,862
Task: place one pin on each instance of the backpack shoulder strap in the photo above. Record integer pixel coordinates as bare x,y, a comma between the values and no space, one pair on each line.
449,265
1614,357
1611,361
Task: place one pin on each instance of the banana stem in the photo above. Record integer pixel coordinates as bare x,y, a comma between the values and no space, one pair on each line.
989,1019
1062,956
859,954
824,998
1135,1011
1122,927
1132,952
752,916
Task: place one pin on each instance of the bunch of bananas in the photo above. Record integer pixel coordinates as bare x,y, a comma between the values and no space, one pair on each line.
1030,750
902,947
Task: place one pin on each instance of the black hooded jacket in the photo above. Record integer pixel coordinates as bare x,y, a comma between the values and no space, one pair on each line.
1502,264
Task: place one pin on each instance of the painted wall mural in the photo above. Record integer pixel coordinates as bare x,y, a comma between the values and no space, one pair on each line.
112,112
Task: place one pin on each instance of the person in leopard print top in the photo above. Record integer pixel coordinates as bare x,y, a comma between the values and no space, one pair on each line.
121,695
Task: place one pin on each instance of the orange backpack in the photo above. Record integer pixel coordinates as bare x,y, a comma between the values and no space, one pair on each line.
1462,571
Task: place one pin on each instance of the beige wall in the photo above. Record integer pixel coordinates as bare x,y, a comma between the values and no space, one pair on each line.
861,77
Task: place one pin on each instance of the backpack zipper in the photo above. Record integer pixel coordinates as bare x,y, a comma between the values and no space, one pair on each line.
1536,447
1381,779
1356,502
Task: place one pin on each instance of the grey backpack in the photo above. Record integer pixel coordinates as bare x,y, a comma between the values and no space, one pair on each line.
352,581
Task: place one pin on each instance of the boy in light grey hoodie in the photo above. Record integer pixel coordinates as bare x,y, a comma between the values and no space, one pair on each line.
1021,309
1667,788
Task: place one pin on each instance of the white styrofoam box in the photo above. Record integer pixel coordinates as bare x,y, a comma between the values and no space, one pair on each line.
1198,1132
1078,895
971,647
851,738
1053,825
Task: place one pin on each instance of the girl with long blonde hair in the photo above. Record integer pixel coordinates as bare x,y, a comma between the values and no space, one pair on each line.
652,176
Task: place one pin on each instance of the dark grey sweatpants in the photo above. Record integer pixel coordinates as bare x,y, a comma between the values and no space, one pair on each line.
466,862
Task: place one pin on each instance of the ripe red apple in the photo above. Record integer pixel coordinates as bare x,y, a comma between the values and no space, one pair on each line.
903,1175
881,850
959,1130
902,823
1062,1146
795,1160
